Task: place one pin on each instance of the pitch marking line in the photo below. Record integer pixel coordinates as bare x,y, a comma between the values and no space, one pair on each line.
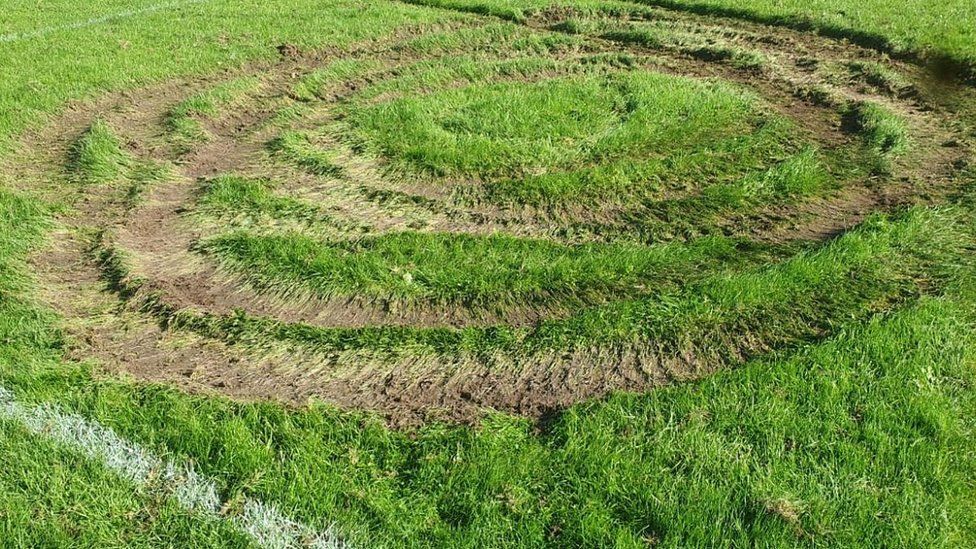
264,523
94,21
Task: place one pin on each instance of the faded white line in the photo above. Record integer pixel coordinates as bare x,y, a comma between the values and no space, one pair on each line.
264,523
94,21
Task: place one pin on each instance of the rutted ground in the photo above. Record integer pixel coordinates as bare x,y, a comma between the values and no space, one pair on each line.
180,283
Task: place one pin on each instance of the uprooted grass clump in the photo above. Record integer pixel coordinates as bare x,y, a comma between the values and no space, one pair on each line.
98,156
486,272
880,76
297,147
883,132
313,85
237,194
254,202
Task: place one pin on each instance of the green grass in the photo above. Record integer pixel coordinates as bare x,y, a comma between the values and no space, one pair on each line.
27,221
430,269
862,437
945,32
97,156
560,123
883,131
879,76
790,446
193,39
491,39
800,174
297,147
902,26
47,496
249,202
431,76
580,139
735,192
853,426
312,85
230,193
677,171
503,9
874,266
715,319
665,35
52,498
673,156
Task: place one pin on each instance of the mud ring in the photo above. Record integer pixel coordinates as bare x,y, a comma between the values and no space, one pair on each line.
488,217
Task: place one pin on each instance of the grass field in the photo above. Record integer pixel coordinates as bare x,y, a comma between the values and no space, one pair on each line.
484,273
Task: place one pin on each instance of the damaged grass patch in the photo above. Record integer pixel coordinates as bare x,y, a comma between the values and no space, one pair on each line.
717,319
298,148
486,272
184,119
97,156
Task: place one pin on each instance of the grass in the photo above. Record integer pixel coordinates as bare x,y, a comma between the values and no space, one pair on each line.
488,272
184,119
714,319
774,434
97,156
297,147
880,76
883,131
192,39
583,139
786,450
231,193
250,202
804,174
666,35
846,421
791,300
490,39
670,156
48,496
672,172
432,75
48,499
800,174
906,27
313,85
563,122
28,222
502,9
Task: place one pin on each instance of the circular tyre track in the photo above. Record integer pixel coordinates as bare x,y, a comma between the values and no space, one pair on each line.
140,298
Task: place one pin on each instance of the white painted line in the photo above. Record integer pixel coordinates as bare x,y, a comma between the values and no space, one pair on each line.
265,524
37,33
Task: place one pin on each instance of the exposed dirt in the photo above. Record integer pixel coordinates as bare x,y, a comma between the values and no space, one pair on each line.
108,320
